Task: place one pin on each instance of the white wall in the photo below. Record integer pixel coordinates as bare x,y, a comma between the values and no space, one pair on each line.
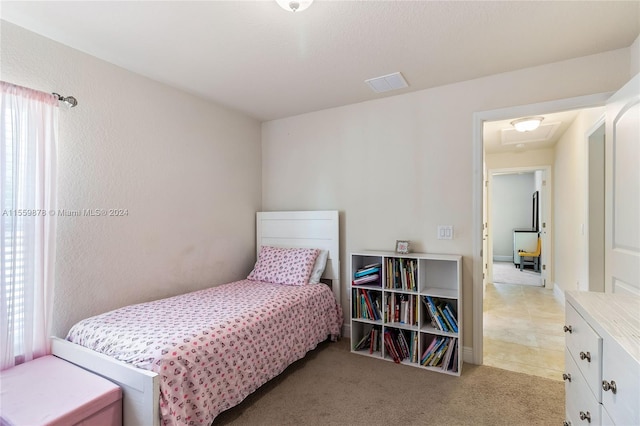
188,172
399,166
634,51
529,159
511,208
569,201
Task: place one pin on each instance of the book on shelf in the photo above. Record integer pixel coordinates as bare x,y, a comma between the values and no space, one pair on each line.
401,345
404,311
366,279
364,342
452,316
414,352
370,305
428,350
401,274
436,360
436,321
390,347
366,304
439,341
367,270
446,363
454,366
451,319
372,339
445,320
441,314
442,353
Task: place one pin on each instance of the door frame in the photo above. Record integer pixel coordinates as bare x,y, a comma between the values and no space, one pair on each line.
546,223
478,118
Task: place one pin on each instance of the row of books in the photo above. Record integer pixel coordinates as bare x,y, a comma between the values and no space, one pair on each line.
368,274
401,274
402,308
370,341
401,345
442,352
366,304
442,314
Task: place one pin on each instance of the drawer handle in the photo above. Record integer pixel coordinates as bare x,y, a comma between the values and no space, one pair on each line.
566,376
609,386
567,328
586,356
585,416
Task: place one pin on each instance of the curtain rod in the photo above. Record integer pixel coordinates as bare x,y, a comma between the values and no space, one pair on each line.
68,99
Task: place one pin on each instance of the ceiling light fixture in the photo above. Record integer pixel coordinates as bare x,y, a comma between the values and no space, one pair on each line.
527,124
294,5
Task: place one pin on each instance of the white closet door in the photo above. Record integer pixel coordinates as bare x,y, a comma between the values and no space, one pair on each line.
622,182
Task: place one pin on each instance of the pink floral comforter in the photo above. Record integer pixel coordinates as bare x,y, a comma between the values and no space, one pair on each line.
214,347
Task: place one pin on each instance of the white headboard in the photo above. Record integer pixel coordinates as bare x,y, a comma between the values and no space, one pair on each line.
308,229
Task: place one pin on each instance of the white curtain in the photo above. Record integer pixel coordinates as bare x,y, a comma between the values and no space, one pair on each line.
28,135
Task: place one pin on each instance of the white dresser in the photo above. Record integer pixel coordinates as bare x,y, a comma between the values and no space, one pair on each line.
602,359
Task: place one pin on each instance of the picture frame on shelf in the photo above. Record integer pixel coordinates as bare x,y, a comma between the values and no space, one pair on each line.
402,246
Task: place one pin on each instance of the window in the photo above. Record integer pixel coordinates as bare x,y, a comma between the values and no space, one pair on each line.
27,243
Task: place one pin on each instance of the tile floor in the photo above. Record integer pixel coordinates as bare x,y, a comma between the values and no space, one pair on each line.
523,330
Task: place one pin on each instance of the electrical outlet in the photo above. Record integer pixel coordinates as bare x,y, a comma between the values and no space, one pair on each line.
445,232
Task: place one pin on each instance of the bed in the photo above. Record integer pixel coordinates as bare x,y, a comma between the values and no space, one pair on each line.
220,344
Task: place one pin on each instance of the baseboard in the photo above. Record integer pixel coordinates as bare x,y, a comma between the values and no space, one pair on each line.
558,293
346,331
467,354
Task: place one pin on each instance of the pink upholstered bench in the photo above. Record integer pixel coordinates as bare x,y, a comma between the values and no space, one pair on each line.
54,392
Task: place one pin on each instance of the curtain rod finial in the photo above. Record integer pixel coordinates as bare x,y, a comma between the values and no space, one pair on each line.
68,99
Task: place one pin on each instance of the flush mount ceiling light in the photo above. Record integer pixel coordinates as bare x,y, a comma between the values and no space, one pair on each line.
527,124
294,5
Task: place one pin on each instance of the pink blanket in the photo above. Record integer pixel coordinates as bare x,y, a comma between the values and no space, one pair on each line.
214,347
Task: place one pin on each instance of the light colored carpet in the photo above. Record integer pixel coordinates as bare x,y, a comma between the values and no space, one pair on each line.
507,273
332,386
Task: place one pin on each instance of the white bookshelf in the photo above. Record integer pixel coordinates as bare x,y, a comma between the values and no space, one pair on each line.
374,305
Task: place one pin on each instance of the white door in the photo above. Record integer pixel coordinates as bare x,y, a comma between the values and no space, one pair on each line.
622,194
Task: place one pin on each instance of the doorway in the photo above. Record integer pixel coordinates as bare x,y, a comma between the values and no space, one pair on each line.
522,329
479,186
516,219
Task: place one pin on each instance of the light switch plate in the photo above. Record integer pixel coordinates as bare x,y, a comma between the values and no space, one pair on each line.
445,232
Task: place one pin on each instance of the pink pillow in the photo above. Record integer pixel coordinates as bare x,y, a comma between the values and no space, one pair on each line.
290,266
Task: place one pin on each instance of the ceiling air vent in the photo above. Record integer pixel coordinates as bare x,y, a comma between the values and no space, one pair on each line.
387,82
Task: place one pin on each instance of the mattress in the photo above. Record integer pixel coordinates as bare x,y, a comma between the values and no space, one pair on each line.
213,347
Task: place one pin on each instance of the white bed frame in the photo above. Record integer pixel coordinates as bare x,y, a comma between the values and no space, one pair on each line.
141,388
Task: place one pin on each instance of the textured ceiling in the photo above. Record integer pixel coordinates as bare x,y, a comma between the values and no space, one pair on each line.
255,57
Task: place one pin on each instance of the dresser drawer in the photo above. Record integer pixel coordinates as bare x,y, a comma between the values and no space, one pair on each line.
585,346
581,408
606,419
622,372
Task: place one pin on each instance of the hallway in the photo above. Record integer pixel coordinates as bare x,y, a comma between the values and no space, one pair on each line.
523,330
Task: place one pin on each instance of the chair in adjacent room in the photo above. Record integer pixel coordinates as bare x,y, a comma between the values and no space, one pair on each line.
534,255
